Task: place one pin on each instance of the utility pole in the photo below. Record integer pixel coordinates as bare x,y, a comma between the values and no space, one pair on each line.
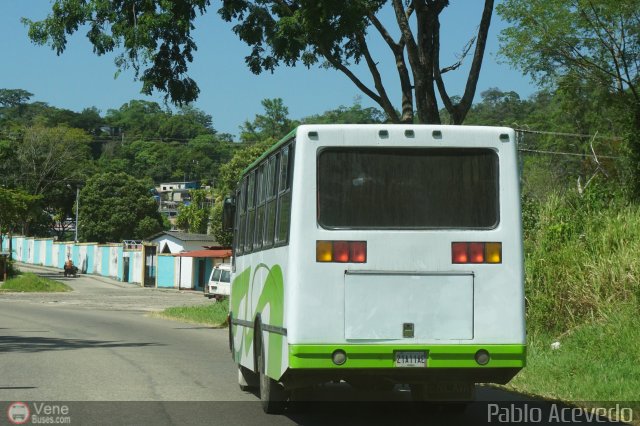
77,205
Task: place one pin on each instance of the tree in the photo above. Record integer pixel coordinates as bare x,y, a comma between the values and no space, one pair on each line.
14,97
157,34
154,33
498,108
137,119
15,208
308,31
115,207
593,43
194,217
51,156
229,176
274,124
354,114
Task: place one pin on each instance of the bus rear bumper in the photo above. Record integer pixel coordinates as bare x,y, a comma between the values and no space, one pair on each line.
383,356
443,362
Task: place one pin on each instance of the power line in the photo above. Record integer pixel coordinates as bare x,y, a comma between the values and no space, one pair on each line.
572,154
573,135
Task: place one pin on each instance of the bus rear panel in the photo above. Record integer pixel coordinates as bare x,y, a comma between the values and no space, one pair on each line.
403,263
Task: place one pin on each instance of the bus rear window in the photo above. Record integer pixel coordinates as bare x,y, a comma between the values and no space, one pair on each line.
412,188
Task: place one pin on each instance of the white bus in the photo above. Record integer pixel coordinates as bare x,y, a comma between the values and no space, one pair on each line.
379,255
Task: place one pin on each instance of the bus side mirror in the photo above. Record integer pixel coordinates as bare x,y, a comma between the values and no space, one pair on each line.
228,213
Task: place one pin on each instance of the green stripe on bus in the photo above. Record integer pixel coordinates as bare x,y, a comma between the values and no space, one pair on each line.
273,295
382,356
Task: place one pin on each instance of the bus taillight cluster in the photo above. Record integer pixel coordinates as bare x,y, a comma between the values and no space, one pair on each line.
341,251
476,252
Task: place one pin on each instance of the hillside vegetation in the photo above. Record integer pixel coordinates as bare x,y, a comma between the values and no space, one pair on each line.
582,293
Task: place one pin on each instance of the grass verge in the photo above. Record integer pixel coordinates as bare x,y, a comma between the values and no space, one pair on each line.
583,291
214,314
31,283
595,365
595,362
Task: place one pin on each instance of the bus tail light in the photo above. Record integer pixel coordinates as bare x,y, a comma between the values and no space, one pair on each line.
358,251
476,252
459,253
324,251
341,251
493,252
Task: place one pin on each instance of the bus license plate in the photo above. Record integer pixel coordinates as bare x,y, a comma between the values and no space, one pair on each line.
411,359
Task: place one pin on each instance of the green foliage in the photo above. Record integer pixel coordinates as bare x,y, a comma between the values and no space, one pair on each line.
596,361
8,266
334,34
149,226
140,119
163,145
14,97
231,171
156,36
51,156
580,259
30,283
16,207
194,217
214,314
116,206
498,108
224,238
589,51
595,39
274,124
355,114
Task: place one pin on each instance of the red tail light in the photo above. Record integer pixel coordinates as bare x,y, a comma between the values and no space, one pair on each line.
476,252
341,251
358,251
459,253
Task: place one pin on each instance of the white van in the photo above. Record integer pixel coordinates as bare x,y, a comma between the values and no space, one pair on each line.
219,284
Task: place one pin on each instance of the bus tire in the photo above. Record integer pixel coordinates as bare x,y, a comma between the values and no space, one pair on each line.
272,395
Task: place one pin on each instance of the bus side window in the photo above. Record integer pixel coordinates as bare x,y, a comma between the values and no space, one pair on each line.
251,213
260,207
242,214
272,191
237,221
284,195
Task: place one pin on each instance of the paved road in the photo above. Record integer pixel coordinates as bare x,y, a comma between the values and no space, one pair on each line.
99,353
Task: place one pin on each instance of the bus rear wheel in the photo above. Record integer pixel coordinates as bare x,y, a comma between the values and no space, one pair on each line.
272,395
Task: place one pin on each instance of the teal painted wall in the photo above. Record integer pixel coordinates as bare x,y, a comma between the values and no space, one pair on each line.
48,253
36,252
166,271
104,252
25,251
120,263
91,254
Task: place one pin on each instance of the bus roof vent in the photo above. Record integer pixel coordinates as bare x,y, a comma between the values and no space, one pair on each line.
409,133
437,134
313,136
384,134
504,137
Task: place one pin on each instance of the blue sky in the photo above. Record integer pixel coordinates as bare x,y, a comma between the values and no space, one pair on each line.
230,93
